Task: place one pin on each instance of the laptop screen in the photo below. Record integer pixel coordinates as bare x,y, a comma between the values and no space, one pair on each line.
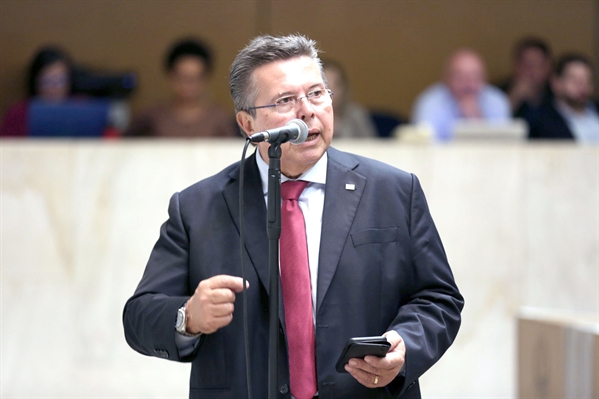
72,118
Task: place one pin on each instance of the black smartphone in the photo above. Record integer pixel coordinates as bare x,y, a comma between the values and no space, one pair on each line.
360,347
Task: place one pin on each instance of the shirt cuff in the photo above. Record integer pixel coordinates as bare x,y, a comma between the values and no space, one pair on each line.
186,345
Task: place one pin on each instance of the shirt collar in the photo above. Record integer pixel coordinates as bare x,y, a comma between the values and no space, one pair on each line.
568,112
316,174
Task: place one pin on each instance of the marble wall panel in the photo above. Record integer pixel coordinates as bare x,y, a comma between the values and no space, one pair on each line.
79,219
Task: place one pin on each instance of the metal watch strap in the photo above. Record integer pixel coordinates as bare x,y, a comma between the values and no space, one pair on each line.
183,331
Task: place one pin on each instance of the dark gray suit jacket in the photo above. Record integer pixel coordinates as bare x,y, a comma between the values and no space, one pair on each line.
382,267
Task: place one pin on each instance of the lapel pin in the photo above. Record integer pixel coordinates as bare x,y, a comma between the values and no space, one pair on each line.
349,186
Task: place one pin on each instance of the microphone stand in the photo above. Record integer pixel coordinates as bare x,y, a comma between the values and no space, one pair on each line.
273,229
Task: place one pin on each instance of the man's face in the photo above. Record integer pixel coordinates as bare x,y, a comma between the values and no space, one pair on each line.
465,75
53,82
188,78
293,77
575,86
533,65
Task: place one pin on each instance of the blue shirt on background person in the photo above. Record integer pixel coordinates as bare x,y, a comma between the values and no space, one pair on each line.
440,110
463,94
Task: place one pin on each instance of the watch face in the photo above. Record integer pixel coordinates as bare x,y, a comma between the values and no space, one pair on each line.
180,325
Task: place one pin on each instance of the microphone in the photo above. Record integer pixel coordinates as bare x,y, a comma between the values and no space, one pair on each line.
295,131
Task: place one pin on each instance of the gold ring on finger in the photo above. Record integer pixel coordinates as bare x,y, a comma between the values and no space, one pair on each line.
376,379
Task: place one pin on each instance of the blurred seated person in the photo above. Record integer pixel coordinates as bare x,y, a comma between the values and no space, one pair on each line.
190,113
351,120
571,115
386,121
462,94
528,88
48,79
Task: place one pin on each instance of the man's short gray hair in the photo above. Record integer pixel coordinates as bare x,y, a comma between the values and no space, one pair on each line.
261,51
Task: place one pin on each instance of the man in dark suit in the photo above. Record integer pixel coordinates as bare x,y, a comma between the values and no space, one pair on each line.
528,88
376,262
571,115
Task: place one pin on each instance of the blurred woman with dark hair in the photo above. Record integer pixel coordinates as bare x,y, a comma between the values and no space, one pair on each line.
190,112
48,79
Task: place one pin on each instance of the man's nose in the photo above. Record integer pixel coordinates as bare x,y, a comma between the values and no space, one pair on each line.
305,108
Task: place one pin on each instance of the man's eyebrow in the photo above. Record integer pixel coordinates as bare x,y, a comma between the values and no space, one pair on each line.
289,93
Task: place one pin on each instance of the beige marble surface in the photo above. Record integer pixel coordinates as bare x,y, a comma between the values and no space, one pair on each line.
79,218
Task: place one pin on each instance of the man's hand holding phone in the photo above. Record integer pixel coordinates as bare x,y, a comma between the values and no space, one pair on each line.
376,372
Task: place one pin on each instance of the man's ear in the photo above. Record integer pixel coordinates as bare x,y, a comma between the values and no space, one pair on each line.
246,121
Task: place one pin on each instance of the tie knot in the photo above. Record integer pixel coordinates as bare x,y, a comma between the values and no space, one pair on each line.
292,189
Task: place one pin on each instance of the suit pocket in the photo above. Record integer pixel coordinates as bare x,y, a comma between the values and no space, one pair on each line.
375,236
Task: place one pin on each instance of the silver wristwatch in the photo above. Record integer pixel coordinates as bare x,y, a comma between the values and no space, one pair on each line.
181,324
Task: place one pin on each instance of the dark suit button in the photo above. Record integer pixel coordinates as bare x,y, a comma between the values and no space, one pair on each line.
284,389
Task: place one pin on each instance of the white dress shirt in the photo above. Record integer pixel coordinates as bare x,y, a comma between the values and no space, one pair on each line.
584,125
311,202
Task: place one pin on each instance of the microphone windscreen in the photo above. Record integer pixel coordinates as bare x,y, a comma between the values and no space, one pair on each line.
303,129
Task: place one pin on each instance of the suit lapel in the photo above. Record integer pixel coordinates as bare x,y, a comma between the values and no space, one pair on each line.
340,205
256,241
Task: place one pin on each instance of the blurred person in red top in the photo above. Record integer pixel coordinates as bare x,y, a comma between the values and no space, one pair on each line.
48,79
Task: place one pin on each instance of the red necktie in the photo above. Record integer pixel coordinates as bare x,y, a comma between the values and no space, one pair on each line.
297,294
